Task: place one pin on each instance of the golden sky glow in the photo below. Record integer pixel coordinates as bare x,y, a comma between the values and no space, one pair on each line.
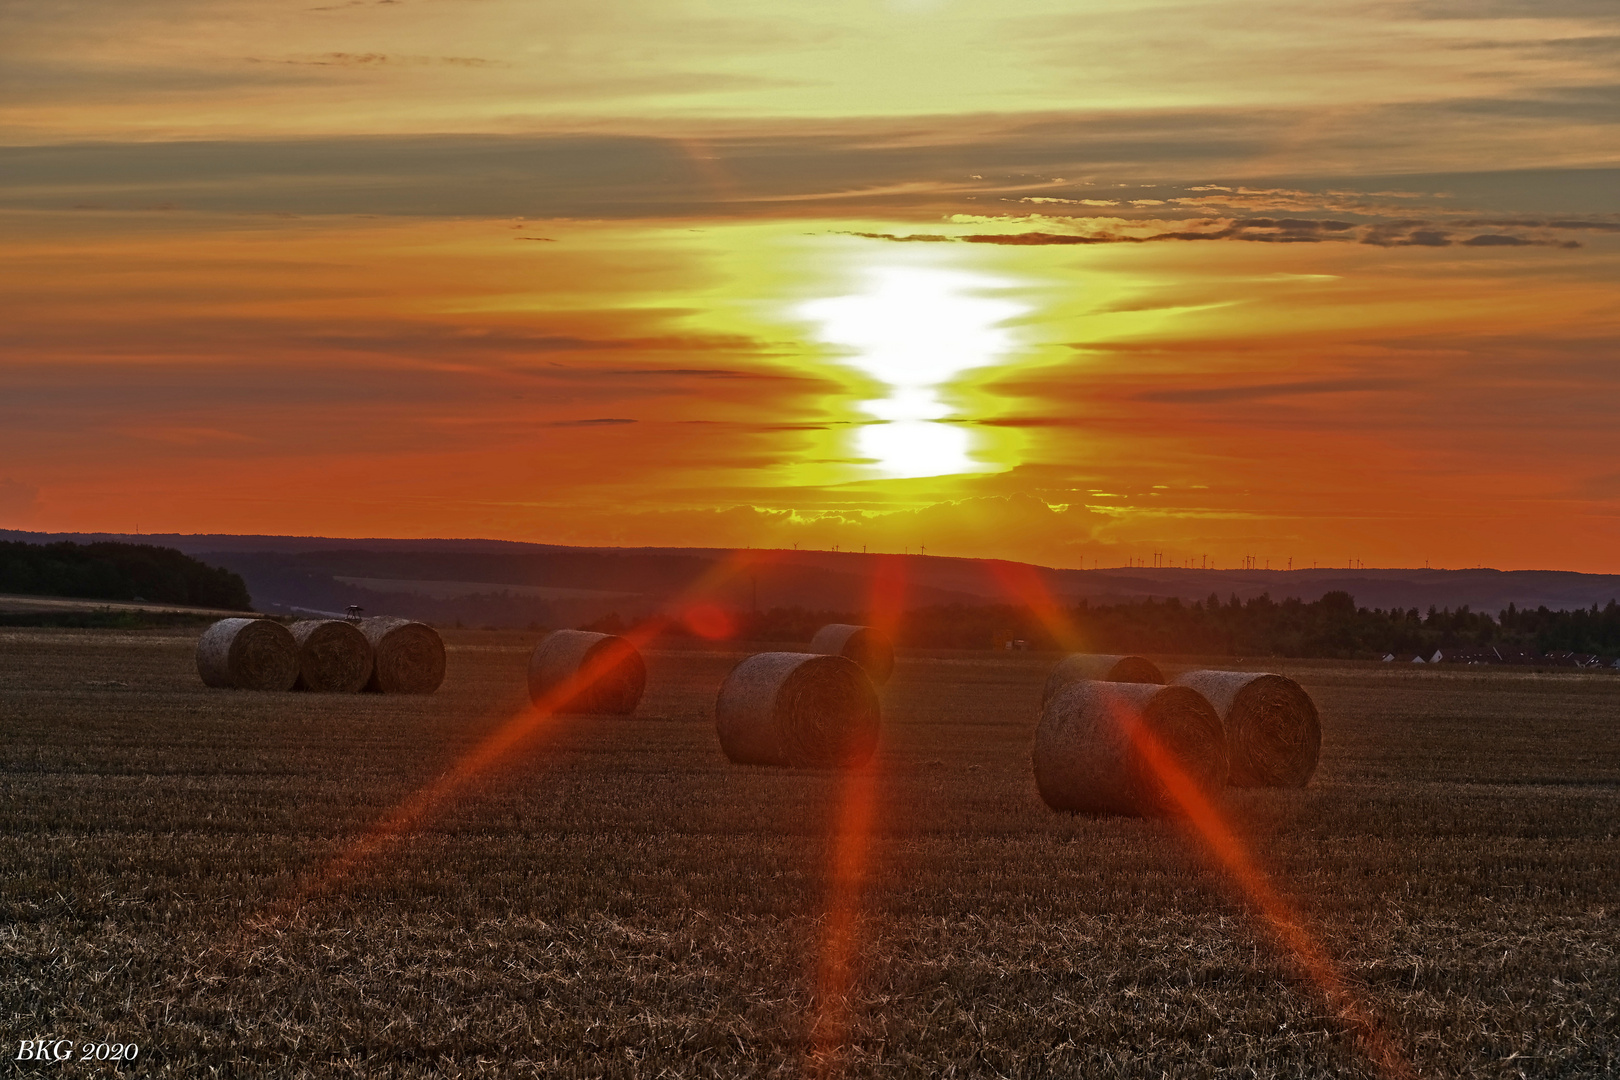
1075,283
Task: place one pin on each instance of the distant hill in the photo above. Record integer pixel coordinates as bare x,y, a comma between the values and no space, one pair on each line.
109,570
508,583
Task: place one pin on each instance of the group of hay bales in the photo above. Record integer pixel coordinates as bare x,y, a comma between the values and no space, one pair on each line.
1113,738
335,656
816,709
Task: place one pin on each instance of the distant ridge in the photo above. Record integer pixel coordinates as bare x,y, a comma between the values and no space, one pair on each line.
191,543
506,582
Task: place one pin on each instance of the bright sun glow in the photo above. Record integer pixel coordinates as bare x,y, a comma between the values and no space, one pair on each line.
915,330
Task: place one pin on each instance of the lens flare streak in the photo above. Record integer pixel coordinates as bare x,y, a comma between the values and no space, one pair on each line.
850,858
840,925
423,804
1209,828
417,809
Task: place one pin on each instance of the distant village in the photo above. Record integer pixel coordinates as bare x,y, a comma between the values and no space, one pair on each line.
1520,657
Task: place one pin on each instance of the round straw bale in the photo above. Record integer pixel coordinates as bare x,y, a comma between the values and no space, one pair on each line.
248,654
334,657
1077,667
1272,730
799,710
1097,742
867,647
407,657
577,671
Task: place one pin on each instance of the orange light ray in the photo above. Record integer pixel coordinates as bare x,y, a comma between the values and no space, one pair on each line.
416,809
840,929
1208,826
710,167
851,856
421,805
1023,582
887,600
1200,813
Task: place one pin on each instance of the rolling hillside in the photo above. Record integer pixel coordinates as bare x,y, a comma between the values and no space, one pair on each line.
505,583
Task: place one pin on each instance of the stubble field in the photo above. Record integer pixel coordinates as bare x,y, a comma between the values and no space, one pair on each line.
197,872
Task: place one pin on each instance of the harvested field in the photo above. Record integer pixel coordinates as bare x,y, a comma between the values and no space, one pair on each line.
613,898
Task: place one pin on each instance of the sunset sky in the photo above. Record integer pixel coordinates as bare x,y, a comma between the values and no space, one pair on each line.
1075,283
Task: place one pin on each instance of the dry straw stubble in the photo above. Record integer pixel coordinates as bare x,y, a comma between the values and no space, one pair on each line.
867,646
1100,748
248,654
1080,667
799,710
577,671
334,657
1273,732
408,657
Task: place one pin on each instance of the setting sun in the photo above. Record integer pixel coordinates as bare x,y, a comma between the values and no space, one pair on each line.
914,329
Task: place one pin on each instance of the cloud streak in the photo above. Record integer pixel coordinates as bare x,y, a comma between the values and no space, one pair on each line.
344,59
953,166
1213,395
1251,230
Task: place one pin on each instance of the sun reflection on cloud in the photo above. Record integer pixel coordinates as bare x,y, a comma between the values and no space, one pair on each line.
916,329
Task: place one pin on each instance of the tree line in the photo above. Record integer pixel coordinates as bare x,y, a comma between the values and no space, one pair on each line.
1332,627
115,571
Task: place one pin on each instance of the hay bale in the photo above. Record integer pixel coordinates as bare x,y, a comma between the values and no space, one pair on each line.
407,657
867,647
334,657
1089,747
248,654
1272,730
798,709
1082,667
576,671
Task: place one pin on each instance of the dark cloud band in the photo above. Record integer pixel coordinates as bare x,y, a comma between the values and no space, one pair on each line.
788,171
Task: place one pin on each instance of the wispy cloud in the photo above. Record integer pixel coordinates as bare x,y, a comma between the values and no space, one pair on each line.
1480,10
792,171
1212,394
1251,230
353,4
375,59
604,421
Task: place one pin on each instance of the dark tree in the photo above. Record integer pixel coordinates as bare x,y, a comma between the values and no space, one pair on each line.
113,571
